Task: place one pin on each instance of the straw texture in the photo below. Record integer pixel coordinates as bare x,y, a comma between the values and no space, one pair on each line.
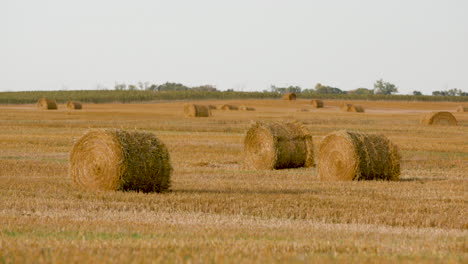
120,160
347,156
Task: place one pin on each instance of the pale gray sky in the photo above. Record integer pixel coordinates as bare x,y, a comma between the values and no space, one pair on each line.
244,44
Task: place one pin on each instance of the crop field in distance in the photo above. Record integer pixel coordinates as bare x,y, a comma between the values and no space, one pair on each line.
218,211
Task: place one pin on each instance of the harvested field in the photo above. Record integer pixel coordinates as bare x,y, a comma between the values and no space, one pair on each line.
218,211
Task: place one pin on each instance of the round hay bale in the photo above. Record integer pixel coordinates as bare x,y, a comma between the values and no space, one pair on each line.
462,108
439,118
74,105
356,108
289,96
246,108
46,104
120,160
317,103
194,110
229,107
278,145
346,107
347,156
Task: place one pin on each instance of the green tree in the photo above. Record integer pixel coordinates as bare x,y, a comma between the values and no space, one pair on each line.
417,93
381,87
362,91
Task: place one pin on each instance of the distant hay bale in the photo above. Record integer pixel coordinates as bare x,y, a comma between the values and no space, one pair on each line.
317,103
211,107
120,160
246,108
346,107
439,118
357,109
74,105
347,156
462,108
194,110
289,96
229,107
352,108
46,104
278,145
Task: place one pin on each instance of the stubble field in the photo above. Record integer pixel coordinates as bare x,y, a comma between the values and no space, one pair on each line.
218,211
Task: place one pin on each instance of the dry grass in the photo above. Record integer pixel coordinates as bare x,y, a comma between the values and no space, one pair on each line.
218,211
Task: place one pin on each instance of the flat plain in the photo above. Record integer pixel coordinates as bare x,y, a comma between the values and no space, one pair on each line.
218,211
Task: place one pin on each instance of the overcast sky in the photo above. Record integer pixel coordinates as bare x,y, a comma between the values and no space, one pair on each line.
244,44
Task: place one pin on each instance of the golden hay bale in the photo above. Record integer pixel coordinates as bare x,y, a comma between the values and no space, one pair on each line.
46,104
347,156
211,107
246,108
317,103
289,96
462,108
120,160
194,110
229,107
278,145
439,118
74,105
346,107
357,109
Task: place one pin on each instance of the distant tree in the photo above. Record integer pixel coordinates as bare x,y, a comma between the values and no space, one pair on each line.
324,89
451,92
205,88
132,87
381,87
417,93
289,89
172,87
153,87
362,91
120,87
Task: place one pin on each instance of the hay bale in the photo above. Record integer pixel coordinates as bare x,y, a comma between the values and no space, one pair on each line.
278,145
46,104
347,156
317,103
74,105
346,107
211,107
439,118
352,108
246,108
194,110
356,108
229,107
120,160
289,96
462,108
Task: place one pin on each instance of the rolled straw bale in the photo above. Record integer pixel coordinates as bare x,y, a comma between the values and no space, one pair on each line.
74,105
346,107
356,108
194,110
47,104
229,107
278,145
289,96
120,160
246,108
317,103
439,118
347,156
462,108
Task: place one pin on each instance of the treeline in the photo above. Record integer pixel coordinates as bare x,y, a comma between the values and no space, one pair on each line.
127,96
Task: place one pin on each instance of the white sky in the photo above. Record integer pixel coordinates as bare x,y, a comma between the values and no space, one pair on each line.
244,44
